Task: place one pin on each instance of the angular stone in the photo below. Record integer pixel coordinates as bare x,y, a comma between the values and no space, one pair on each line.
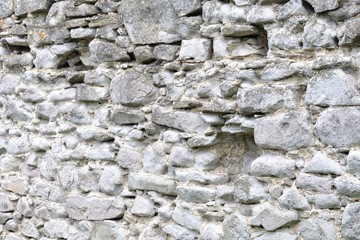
322,6
19,61
132,88
319,32
323,165
284,131
33,95
186,219
17,113
178,232
238,30
317,229
198,49
130,159
109,230
278,235
350,221
181,157
185,7
23,206
29,229
293,199
7,8
217,11
353,163
83,33
283,39
4,217
196,194
5,204
348,34
249,190
15,184
334,61
314,183
88,93
46,59
144,54
24,6
125,117
154,162
8,83
182,120
47,110
327,201
265,217
166,52
333,87
19,146
94,208
69,177
200,177
110,180
261,14
206,160
203,141
273,165
150,182
143,207
56,228
348,186
62,95
235,227
232,47
102,51
339,126
91,134
150,22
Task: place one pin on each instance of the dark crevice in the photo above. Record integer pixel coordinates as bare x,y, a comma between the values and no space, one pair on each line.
195,13
308,6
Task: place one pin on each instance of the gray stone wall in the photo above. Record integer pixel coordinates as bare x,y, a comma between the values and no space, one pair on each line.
179,119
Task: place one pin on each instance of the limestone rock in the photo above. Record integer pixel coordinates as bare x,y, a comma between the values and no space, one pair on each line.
102,51
124,117
249,190
350,221
278,235
353,163
17,112
186,219
235,227
216,11
196,194
46,59
153,161
5,204
143,207
94,208
56,228
150,182
109,230
314,183
22,6
110,180
7,8
185,7
349,36
273,165
28,229
285,131
91,93
69,177
323,5
327,201
132,88
181,157
150,22
144,54
198,49
130,159
338,126
324,165
8,83
166,52
317,229
348,186
261,14
179,232
319,32
18,185
293,199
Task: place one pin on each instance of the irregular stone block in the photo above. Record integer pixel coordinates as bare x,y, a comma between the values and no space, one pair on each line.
235,227
33,95
181,157
323,165
18,185
278,235
314,183
284,131
109,230
261,14
8,83
19,61
5,204
283,39
198,49
130,159
102,51
46,59
17,113
88,93
273,165
150,182
186,219
24,6
196,194
144,54
132,88
348,186
7,8
124,117
182,120
249,190
319,32
334,61
327,201
293,199
149,22
322,6
350,221
201,177
348,34
47,110
143,207
56,228
217,11
94,208
154,162
110,180
277,71
62,95
339,126
179,232
353,163
166,52
185,7
91,134
317,229
238,30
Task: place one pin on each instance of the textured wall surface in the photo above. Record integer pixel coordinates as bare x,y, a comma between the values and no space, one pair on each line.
179,119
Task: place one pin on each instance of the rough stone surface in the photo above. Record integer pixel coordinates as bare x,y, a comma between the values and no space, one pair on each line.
350,221
235,227
273,165
323,165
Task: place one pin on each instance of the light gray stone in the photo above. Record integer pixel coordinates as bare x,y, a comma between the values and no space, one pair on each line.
238,30
8,83
56,228
46,59
203,141
333,87
273,165
143,206
338,126
181,157
47,110
186,219
317,229
125,117
19,145
7,7
249,190
196,194
208,232
62,95
150,233
327,201
166,52
33,95
130,159
323,165
185,7
323,5
90,133
200,177
278,235
151,182
283,39
110,180
153,162
82,33
266,215
94,208
144,54
69,177
277,71
293,199
102,51
182,120
48,166
188,27
261,14
353,163
132,88
284,131
23,206
19,61
350,222
217,11
319,32
5,204
88,93
334,61
22,6
206,160
15,184
109,230
314,183
28,229
349,36
179,232
348,186
18,113
198,49
150,22
235,227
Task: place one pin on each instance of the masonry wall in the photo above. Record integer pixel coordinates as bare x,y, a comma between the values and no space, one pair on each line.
179,119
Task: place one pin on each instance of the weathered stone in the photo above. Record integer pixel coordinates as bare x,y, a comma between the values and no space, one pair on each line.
18,185
353,163
124,117
338,126
181,157
24,207
333,87
238,30
323,5
83,33
261,14
196,194
150,22
19,146
217,11
90,134
110,180
317,229
28,229
344,12
293,199
273,165
314,183
348,186
69,177
7,8
19,61
319,32
56,228
8,83
266,215
22,7
206,160
232,47
110,230
166,52
62,95
277,71
327,201
46,59
188,27
178,232
278,235
186,219
102,51
283,39
285,131
153,162
348,35
5,203
94,208
88,93
200,177
235,227
152,182
249,190
143,207
182,120
47,110
130,159
334,61
17,113
203,141
350,222
198,49
324,165
132,88
33,95
185,7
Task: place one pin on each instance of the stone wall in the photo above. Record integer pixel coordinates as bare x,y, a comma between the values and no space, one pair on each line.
179,119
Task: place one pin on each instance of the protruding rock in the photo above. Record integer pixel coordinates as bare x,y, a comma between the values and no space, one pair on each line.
273,165
293,199
324,165
350,221
198,49
324,5
102,51
235,227
152,182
